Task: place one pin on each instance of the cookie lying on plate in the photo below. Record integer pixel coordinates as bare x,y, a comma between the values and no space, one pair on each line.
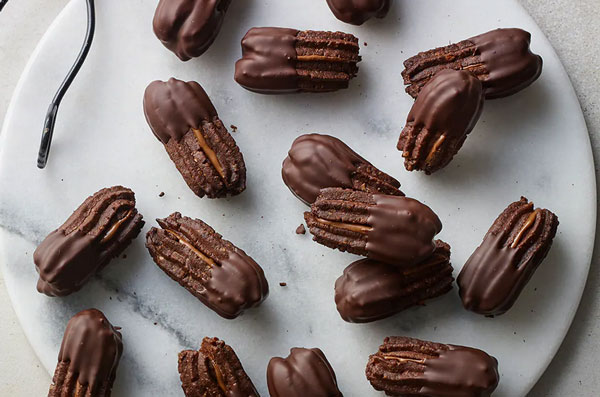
281,60
211,268
317,161
370,290
99,230
184,119
500,58
305,372
392,229
189,27
89,355
513,248
214,370
412,367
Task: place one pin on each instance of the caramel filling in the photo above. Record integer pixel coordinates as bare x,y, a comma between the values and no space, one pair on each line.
526,226
404,360
218,376
353,227
114,228
212,156
436,146
314,58
185,242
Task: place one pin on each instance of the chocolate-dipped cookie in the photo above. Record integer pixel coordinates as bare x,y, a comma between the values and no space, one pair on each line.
305,372
412,367
214,270
500,58
444,113
317,161
391,229
99,230
89,355
514,246
189,27
371,290
214,371
184,119
281,60
358,12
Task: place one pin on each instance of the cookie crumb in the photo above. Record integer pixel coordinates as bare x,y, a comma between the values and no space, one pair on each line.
365,43
283,284
124,256
161,194
301,229
233,128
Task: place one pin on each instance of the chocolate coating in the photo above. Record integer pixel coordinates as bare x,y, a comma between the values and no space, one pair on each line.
90,352
370,290
445,111
189,27
318,161
305,372
412,367
174,107
358,12
494,276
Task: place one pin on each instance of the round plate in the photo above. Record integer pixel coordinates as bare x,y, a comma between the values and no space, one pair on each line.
534,144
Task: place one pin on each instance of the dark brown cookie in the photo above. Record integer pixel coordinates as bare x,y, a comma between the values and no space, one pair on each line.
89,355
280,60
501,59
214,371
214,270
189,27
305,372
99,230
496,273
317,161
444,113
358,12
371,290
391,229
412,367
184,119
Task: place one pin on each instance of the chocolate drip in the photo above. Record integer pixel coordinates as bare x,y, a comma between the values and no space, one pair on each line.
189,27
305,372
174,107
358,12
268,63
92,347
402,230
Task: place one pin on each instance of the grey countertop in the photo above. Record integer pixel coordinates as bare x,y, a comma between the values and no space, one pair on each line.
573,29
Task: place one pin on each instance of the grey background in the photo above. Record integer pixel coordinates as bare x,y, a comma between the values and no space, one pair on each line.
573,29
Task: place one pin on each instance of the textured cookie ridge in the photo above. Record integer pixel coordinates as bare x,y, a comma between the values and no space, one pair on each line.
512,249
211,268
213,371
500,58
97,231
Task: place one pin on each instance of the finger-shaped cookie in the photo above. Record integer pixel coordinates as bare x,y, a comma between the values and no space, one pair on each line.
358,12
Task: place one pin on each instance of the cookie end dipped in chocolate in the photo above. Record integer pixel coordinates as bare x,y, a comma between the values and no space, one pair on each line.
99,230
357,12
317,161
189,27
183,118
515,245
281,60
305,372
89,355
439,121
412,367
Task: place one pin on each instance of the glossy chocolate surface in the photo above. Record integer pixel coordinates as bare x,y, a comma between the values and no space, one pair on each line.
358,12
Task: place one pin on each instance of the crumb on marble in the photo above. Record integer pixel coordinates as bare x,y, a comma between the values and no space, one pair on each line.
283,284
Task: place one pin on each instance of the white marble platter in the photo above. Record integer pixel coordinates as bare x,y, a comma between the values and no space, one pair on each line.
534,143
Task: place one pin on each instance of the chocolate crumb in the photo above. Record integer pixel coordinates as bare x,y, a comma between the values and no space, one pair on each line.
365,43
161,194
124,256
233,128
283,284
301,229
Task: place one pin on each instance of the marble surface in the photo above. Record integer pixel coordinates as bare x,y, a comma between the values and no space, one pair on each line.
406,184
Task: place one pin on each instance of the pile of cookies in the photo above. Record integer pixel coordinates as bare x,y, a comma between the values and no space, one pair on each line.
354,207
